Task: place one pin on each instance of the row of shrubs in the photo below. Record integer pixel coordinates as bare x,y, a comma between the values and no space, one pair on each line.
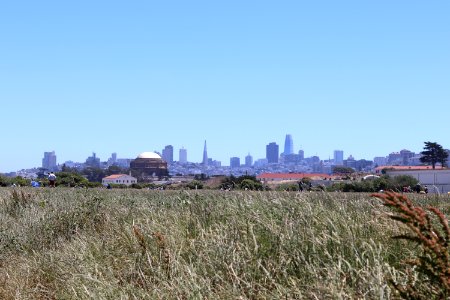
8,181
246,182
383,183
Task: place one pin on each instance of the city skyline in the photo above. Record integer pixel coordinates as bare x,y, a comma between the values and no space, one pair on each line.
275,161
170,157
227,162
83,77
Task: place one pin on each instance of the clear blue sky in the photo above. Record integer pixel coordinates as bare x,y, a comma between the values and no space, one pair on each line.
367,77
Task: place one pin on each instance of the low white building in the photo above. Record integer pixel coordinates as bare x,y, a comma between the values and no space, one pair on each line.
438,180
119,179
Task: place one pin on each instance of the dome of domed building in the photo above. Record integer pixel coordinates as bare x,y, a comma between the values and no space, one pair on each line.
149,155
149,165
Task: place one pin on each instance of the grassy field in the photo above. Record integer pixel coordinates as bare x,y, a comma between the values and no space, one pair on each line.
140,244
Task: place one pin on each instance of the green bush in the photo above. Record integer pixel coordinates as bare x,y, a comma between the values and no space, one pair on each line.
195,185
94,184
242,182
69,179
18,181
118,186
374,185
398,182
288,187
249,184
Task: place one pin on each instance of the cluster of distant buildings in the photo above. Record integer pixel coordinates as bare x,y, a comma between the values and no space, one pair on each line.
163,164
275,166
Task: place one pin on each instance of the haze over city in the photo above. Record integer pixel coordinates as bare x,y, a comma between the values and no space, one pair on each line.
83,77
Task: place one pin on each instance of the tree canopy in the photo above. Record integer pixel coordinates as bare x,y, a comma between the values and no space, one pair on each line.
243,182
343,170
434,153
395,183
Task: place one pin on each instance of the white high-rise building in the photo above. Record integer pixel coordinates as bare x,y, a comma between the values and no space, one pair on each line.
183,156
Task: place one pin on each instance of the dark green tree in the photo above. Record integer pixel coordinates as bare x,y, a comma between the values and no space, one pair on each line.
116,170
249,184
229,182
20,181
67,169
343,170
201,177
5,181
70,179
396,183
195,184
94,174
245,181
434,153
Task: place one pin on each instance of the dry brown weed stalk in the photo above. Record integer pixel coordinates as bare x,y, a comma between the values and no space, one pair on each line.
430,230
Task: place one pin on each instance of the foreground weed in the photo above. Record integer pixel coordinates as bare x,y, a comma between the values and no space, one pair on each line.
17,202
429,229
158,253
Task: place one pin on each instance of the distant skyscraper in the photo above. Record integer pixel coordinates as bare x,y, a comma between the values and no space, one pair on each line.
301,154
261,162
339,157
288,145
49,160
205,155
112,160
248,160
272,151
380,161
235,162
406,156
183,156
167,154
93,161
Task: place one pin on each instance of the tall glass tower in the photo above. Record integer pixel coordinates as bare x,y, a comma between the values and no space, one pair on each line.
205,155
288,145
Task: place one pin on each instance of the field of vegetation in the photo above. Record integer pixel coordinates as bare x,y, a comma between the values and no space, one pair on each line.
68,243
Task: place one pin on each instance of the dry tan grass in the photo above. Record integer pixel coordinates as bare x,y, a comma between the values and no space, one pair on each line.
140,244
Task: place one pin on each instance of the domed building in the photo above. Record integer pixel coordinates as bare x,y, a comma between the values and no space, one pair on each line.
148,165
